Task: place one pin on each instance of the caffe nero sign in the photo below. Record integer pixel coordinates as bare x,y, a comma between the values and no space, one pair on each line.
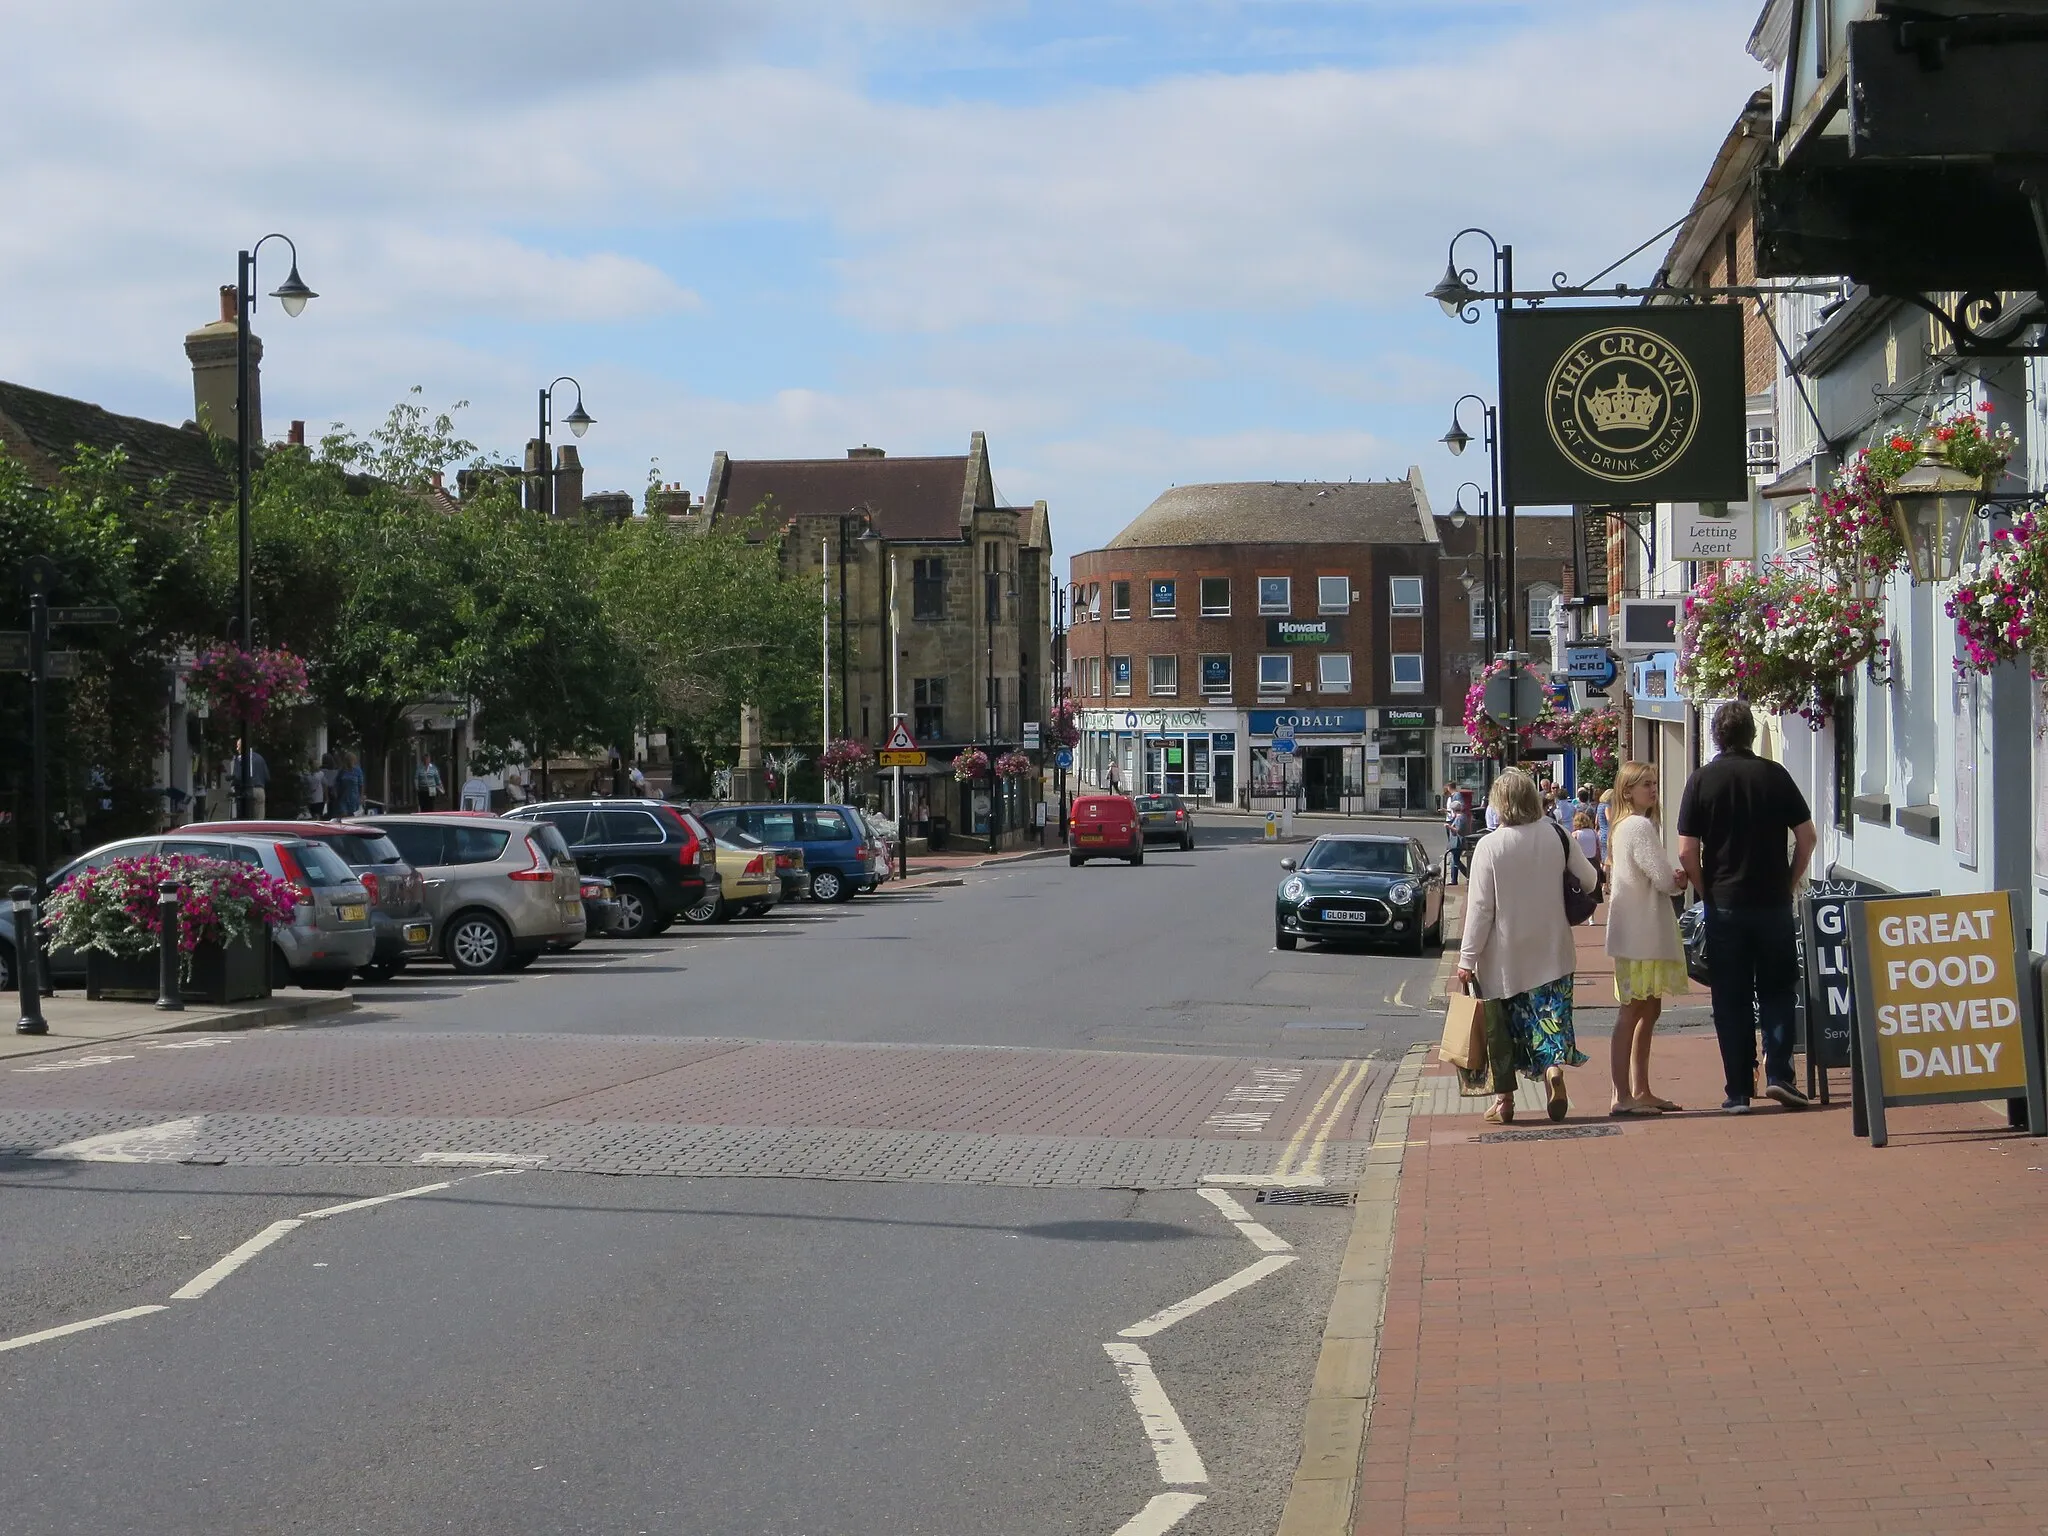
1617,405
1304,632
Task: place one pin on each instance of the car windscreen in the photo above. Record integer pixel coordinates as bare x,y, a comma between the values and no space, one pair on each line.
363,847
1365,858
321,865
551,841
1157,802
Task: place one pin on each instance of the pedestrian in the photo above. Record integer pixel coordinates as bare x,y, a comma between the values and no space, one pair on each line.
1735,821
1518,948
426,782
348,787
1642,937
312,790
638,780
259,785
1587,837
329,772
1603,820
1457,828
1115,785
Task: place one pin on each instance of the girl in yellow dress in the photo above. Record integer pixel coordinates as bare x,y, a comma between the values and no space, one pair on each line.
1642,935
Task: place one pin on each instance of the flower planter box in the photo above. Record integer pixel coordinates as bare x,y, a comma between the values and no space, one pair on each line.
231,973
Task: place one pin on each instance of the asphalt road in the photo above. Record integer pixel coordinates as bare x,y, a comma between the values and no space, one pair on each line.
900,1335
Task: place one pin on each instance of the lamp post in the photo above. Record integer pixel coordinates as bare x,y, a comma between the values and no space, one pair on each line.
578,421
292,295
1059,690
865,517
1488,580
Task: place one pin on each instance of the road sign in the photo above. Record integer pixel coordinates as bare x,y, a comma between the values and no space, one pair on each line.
893,759
89,615
1284,745
1065,759
1031,735
14,657
900,740
1283,730
1520,694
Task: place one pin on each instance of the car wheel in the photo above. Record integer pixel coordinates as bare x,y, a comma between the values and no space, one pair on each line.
1282,940
1139,856
1075,861
709,909
478,945
522,960
827,885
1419,942
638,917
382,971
6,968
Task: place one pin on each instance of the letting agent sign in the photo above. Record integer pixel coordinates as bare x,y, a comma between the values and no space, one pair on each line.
1944,1005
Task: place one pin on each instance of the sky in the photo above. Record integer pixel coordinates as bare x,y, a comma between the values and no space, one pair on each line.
1138,243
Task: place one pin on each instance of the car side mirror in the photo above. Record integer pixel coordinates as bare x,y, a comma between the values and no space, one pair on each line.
1288,864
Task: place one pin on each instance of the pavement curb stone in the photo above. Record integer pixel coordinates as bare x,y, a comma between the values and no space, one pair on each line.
1339,1412
192,1021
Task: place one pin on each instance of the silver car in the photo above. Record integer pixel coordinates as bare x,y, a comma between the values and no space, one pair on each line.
329,937
499,892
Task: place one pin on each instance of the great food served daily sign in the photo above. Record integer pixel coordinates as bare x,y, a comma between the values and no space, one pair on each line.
1944,1005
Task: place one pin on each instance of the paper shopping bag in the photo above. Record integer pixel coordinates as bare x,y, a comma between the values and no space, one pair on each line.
1464,1042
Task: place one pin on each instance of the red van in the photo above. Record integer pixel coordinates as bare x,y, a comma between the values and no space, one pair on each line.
1104,827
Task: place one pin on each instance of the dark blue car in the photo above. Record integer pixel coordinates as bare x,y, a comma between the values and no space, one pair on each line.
840,855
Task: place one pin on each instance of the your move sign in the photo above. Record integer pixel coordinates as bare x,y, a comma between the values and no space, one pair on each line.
1944,1005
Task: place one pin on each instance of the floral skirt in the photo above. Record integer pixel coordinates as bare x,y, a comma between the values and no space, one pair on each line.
1638,981
1538,1025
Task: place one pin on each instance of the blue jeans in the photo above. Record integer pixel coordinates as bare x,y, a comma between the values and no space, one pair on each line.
1753,958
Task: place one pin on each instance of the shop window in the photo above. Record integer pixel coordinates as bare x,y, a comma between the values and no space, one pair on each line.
1163,599
1216,674
1333,594
1120,676
1541,595
1334,672
1276,674
1407,672
928,587
928,699
1215,597
1405,596
1095,601
1165,678
1119,599
1276,594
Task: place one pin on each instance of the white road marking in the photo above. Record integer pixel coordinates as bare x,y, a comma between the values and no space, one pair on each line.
1166,1317
480,1159
403,1194
188,1045
169,1141
27,1339
71,1064
1238,1122
1240,1218
233,1260
1179,1461
1162,1514
1264,1181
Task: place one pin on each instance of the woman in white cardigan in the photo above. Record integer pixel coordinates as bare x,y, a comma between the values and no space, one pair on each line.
1642,936
1517,944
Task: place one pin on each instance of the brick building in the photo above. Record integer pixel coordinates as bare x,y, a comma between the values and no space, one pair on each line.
1224,610
972,581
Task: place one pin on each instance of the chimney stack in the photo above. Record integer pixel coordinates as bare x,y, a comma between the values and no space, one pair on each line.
211,350
568,481
865,452
296,437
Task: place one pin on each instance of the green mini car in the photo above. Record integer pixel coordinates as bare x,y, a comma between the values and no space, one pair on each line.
1351,888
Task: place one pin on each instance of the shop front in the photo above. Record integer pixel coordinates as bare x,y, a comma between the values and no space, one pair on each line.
1188,752
1400,742
1326,771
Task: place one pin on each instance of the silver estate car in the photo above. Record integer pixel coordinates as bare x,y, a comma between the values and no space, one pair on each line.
328,940
499,892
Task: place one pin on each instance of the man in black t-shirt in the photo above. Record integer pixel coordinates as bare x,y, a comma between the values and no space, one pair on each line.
1734,821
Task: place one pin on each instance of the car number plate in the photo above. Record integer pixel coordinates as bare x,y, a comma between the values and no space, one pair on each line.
417,933
353,912
1345,915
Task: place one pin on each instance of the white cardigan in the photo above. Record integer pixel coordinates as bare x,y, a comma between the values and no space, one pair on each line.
1516,937
1640,923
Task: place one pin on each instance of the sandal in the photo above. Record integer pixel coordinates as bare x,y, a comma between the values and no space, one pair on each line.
1662,1106
1498,1113
1560,1104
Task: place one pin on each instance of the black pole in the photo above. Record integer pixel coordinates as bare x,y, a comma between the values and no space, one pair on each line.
544,482
245,637
844,712
168,996
1059,690
27,952
1499,454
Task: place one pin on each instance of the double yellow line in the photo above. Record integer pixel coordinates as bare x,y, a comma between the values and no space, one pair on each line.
1303,1156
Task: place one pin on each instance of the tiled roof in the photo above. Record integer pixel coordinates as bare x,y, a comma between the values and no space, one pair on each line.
908,498
44,431
1283,512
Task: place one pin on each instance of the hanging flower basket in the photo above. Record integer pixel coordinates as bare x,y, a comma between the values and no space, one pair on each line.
1064,728
2001,605
1015,765
970,765
1489,736
843,760
247,685
1595,735
1781,638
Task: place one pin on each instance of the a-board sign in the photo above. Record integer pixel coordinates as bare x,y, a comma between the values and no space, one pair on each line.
1944,1004
1830,979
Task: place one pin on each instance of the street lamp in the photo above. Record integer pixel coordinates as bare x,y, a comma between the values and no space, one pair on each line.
1454,292
863,515
578,421
1496,519
292,295
1489,575
1932,505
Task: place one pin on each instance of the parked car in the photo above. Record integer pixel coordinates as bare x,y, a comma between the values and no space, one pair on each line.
398,897
1352,887
787,859
747,882
658,857
329,938
499,891
1166,816
839,855
600,906
1104,827
881,837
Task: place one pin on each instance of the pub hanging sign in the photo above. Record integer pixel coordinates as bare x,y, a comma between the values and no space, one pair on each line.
1623,405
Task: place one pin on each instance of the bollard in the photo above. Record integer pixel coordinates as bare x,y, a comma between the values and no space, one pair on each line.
168,997
27,954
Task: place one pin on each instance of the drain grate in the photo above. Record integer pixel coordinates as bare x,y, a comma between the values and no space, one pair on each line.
1335,1197
1551,1133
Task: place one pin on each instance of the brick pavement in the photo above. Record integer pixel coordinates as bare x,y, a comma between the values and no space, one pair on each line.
1704,1322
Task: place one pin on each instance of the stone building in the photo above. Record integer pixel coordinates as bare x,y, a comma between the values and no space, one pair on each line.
1225,611
971,580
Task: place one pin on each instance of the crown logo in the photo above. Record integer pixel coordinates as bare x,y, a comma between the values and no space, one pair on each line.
1622,408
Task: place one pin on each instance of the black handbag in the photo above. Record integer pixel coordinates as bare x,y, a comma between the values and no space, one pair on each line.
1692,937
1579,903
